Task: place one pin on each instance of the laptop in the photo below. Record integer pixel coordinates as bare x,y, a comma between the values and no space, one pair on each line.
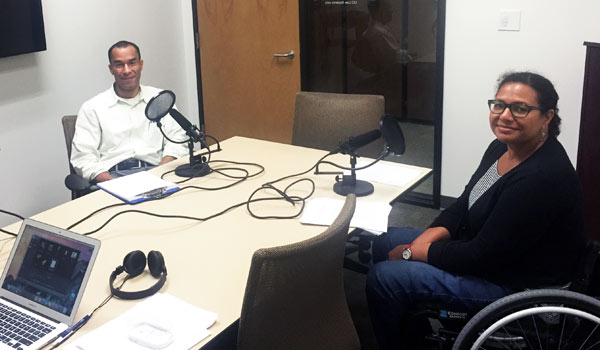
42,284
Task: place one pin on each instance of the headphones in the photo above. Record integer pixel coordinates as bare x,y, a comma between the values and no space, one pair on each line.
134,264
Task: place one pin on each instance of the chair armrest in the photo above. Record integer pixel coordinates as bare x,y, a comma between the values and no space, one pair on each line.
76,182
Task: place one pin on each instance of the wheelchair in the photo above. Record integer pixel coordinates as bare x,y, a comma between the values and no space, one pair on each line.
535,319
566,317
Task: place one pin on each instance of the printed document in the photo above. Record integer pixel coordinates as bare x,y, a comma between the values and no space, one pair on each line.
162,321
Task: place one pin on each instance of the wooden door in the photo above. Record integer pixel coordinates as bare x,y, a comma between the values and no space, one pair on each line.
246,90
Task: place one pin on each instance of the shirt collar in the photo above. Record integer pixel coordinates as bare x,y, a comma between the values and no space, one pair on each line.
113,98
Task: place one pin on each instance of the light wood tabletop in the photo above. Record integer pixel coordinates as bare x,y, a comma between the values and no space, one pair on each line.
207,261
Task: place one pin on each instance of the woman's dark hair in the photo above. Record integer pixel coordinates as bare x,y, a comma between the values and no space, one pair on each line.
546,94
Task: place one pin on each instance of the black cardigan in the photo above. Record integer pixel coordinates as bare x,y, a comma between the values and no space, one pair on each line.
525,231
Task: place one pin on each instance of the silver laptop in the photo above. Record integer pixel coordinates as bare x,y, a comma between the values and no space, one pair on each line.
42,284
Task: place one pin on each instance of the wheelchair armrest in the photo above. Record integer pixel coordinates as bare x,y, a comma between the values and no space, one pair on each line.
76,182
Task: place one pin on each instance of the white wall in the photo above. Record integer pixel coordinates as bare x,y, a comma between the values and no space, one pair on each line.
37,89
550,42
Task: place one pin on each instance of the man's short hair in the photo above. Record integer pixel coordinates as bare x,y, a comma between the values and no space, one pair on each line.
123,44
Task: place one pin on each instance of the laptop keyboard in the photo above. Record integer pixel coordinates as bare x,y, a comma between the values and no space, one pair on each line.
18,329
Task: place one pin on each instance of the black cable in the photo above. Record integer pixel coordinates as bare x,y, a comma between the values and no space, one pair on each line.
8,232
95,212
167,137
13,214
89,316
359,168
283,195
220,171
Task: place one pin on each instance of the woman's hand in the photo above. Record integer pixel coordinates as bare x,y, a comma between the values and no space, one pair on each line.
420,246
418,252
396,253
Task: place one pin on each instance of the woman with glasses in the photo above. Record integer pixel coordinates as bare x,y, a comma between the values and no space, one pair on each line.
518,224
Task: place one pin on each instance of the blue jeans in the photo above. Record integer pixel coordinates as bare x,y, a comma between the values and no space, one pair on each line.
393,286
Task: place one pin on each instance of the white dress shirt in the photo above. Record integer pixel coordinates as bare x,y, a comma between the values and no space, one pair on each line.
110,129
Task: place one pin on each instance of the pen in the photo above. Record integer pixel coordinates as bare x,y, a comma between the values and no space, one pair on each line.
69,331
152,193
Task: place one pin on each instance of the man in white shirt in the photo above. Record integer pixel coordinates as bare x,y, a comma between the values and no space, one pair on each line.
113,137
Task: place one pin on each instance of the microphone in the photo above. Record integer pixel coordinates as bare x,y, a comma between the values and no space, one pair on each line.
355,142
161,105
185,124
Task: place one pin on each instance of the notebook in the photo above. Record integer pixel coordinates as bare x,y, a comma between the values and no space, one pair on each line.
138,187
43,280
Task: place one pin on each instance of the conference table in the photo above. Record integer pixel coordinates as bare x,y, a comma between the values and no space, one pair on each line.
207,261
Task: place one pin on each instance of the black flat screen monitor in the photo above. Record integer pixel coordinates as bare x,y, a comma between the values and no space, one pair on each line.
21,27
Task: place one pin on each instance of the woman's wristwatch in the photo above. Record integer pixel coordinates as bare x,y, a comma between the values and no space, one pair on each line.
406,252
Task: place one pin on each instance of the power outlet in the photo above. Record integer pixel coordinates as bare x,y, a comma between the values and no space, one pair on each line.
510,20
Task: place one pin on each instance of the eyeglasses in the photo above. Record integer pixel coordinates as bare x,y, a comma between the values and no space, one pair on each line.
517,109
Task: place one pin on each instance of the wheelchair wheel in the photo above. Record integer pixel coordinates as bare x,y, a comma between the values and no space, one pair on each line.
535,319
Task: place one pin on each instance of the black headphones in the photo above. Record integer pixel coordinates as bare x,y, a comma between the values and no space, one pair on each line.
134,264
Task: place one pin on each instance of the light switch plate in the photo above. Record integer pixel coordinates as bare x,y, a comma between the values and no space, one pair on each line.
510,20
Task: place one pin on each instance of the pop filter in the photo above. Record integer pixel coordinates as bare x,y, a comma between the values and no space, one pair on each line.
160,105
392,134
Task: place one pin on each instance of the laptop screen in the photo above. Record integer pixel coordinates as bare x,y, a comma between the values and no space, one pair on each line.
48,269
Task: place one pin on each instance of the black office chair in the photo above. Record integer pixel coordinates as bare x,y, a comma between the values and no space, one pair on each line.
74,182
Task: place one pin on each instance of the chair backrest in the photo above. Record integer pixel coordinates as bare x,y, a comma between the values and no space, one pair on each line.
295,296
322,120
68,123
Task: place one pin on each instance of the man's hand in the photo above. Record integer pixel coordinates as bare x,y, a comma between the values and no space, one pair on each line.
166,159
103,176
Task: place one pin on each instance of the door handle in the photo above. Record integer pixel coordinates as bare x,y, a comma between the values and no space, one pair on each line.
290,54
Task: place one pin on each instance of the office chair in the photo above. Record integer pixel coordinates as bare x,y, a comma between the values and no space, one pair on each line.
295,295
74,182
322,120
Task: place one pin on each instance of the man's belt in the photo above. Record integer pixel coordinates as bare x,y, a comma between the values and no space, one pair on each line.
130,163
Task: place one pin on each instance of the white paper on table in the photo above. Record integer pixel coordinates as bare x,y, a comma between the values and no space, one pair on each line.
388,174
171,319
137,187
370,216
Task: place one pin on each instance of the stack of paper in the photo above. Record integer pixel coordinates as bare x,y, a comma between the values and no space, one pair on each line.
159,322
370,216
138,187
389,174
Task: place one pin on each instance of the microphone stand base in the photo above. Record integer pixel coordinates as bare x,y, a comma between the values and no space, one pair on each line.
360,188
193,170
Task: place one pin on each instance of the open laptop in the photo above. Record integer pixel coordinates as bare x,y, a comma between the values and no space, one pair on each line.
43,280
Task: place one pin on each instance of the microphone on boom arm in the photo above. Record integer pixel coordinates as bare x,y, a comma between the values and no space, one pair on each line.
191,130
161,105
390,130
355,142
